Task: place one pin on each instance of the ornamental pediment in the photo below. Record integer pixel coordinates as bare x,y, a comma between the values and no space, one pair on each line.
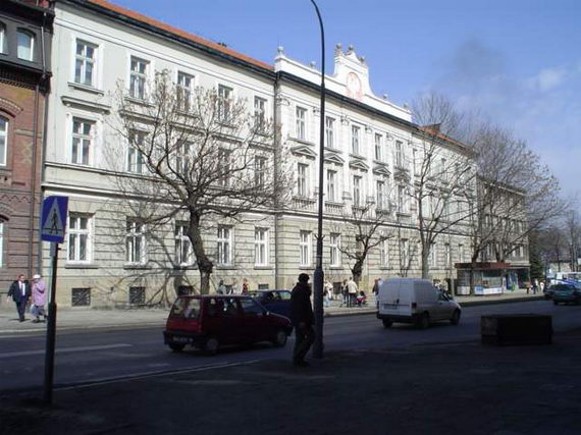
381,169
304,150
358,164
334,158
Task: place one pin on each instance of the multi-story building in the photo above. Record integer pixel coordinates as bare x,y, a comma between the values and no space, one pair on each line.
25,41
102,52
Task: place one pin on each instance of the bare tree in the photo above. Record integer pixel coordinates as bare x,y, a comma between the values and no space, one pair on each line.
198,156
573,228
442,186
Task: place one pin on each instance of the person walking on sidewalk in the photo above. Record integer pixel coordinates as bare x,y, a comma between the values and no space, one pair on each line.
38,298
302,317
20,292
352,292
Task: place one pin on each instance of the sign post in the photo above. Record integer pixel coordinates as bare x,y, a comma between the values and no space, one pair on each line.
52,229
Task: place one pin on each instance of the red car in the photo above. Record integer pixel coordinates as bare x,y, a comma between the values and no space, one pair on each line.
209,321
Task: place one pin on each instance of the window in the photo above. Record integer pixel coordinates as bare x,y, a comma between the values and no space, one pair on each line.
404,252
461,253
1,243
79,238
224,169
381,203
433,257
224,103
2,38
399,153
330,132
384,253
135,242
448,255
136,295
305,248
224,248
335,250
357,193
3,140
85,58
301,123
259,113
302,180
183,246
184,90
355,139
260,247
135,160
378,147
81,297
260,172
182,158
25,49
401,199
331,185
83,132
138,77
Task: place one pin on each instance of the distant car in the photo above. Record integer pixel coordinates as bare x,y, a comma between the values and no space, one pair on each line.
208,322
566,292
275,301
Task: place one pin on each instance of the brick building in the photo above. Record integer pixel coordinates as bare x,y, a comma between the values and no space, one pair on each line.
25,38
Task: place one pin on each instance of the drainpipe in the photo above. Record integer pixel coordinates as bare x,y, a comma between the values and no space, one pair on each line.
278,281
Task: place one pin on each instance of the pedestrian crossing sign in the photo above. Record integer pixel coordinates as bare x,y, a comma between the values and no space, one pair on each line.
53,219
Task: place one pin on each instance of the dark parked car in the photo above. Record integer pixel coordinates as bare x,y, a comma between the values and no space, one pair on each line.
566,292
275,301
209,321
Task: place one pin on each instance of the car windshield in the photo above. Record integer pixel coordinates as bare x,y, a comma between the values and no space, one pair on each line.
186,307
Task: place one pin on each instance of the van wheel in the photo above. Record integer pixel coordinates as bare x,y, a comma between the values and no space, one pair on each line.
280,338
387,323
176,347
455,319
424,321
555,302
211,346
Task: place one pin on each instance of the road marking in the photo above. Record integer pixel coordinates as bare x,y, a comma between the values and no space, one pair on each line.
64,350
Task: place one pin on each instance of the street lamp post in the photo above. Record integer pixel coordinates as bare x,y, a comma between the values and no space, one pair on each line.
319,274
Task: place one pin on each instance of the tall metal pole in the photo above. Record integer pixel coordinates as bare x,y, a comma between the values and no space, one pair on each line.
319,274
51,330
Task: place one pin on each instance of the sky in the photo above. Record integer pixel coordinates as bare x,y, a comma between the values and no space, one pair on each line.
517,62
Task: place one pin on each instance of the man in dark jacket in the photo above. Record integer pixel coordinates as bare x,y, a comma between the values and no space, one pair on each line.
20,292
302,318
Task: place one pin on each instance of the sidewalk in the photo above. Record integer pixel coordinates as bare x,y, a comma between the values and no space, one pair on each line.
87,318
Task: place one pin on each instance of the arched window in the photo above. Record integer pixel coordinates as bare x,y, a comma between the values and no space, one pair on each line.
3,140
25,45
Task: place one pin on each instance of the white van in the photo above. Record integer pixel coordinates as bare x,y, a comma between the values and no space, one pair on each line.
413,300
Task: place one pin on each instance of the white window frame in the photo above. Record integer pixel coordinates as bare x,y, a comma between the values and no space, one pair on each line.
332,185
261,247
185,90
401,200
260,108
356,140
330,132
224,167
378,141
461,253
82,142
225,101
85,63
447,255
302,180
135,159
224,245
28,54
183,253
380,195
433,257
4,126
301,123
135,242
305,248
334,250
404,252
2,38
79,238
182,158
384,253
398,154
260,171
138,73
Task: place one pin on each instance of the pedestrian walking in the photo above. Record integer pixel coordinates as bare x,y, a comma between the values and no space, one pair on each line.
352,292
221,288
245,288
20,292
327,293
535,286
303,319
344,294
38,292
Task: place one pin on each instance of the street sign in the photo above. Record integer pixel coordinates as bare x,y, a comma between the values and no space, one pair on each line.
53,219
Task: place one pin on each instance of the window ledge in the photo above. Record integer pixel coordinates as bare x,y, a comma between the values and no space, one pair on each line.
86,88
263,267
81,266
136,267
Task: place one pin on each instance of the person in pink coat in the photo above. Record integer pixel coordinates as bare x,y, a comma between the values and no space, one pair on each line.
38,298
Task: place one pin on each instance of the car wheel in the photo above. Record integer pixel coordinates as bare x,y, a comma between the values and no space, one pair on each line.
387,323
176,347
555,302
455,319
280,338
211,346
424,321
